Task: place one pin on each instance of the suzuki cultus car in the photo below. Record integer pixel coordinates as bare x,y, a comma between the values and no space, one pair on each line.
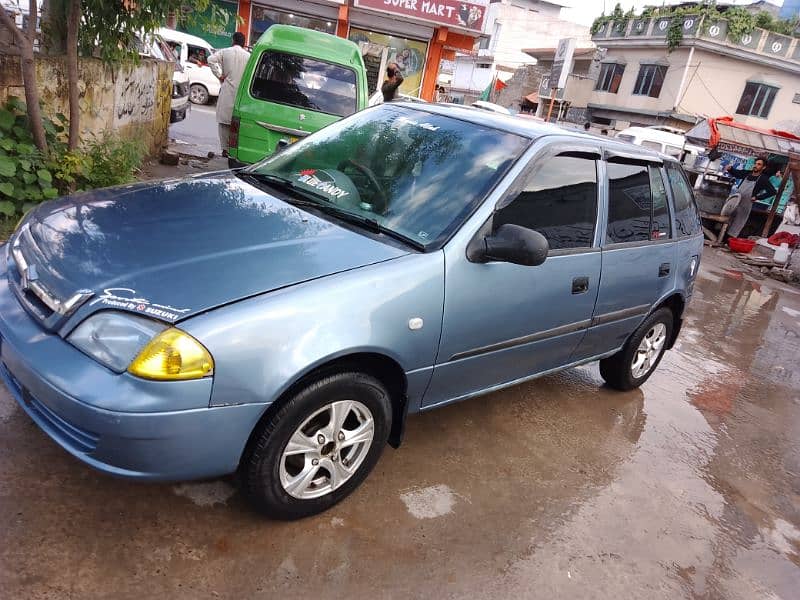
282,320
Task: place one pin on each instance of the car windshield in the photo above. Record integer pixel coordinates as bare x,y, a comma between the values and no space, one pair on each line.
413,173
306,83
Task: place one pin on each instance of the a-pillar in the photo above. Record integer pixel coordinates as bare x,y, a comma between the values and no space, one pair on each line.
244,21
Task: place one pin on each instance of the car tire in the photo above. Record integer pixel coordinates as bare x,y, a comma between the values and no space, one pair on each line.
198,94
632,366
300,462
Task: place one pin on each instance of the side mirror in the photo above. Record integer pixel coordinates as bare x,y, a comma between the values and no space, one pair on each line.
517,245
282,143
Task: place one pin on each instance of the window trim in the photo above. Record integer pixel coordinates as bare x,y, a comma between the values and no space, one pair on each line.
641,77
607,82
580,150
676,234
659,166
759,87
335,64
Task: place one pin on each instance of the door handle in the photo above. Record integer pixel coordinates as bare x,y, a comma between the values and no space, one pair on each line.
580,285
663,270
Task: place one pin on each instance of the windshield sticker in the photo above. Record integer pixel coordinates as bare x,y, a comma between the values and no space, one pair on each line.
126,298
423,125
310,178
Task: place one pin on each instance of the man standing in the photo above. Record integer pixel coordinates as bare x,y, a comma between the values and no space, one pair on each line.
755,185
228,65
393,80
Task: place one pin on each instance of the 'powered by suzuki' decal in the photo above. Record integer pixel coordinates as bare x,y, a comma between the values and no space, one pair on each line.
126,298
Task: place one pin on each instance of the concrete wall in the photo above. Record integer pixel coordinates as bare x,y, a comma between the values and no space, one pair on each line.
625,98
713,88
132,100
716,84
524,81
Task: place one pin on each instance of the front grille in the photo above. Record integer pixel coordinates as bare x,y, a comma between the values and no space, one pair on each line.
75,437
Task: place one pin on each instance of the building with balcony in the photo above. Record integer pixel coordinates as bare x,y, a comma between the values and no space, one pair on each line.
754,78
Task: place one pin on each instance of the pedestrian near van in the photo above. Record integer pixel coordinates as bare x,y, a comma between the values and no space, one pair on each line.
394,78
755,185
228,65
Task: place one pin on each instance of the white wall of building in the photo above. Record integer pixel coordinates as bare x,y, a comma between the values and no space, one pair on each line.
514,25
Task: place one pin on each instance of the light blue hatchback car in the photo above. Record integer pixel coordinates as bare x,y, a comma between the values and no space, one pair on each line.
281,321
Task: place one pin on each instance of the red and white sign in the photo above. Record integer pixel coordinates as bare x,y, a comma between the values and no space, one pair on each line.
455,13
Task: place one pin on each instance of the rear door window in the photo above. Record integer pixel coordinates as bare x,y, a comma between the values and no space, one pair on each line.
638,210
687,219
657,146
559,200
305,83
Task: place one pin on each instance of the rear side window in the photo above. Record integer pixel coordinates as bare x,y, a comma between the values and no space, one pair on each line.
638,210
687,219
652,145
559,200
305,83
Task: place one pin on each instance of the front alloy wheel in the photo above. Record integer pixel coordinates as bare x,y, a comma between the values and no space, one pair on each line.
318,446
325,451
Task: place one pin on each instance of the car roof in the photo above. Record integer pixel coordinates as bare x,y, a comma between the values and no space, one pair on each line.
529,128
173,35
307,42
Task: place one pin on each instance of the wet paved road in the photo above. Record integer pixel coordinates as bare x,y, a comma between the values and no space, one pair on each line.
561,488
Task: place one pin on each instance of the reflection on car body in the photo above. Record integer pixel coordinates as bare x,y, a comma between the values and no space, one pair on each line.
281,321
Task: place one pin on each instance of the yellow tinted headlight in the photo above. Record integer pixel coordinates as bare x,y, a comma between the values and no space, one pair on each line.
173,355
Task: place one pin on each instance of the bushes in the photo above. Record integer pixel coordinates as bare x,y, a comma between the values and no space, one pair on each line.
27,177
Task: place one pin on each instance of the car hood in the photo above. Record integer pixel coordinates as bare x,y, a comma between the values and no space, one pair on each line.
175,248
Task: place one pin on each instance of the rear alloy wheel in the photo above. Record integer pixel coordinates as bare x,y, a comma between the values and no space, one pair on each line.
630,367
318,447
198,94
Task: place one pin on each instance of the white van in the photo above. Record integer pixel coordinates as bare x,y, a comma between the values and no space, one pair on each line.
193,52
662,139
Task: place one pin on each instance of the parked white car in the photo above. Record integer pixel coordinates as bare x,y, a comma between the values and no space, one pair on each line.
661,139
377,98
193,52
491,107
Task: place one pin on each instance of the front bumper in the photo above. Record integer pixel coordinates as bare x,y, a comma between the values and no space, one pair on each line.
119,424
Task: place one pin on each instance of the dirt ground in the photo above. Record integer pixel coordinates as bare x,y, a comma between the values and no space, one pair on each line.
559,488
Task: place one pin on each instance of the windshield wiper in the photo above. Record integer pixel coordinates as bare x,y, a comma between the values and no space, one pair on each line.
370,224
327,207
286,184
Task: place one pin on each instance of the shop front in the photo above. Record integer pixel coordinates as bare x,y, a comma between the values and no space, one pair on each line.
416,34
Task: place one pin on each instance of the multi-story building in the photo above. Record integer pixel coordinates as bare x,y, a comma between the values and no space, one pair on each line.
755,78
510,26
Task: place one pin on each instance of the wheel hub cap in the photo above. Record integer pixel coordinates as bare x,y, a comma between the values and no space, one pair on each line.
327,449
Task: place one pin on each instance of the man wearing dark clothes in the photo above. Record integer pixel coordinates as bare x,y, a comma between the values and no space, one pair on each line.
393,80
755,185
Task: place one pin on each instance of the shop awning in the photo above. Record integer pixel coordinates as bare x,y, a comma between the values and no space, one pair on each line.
726,134
533,97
